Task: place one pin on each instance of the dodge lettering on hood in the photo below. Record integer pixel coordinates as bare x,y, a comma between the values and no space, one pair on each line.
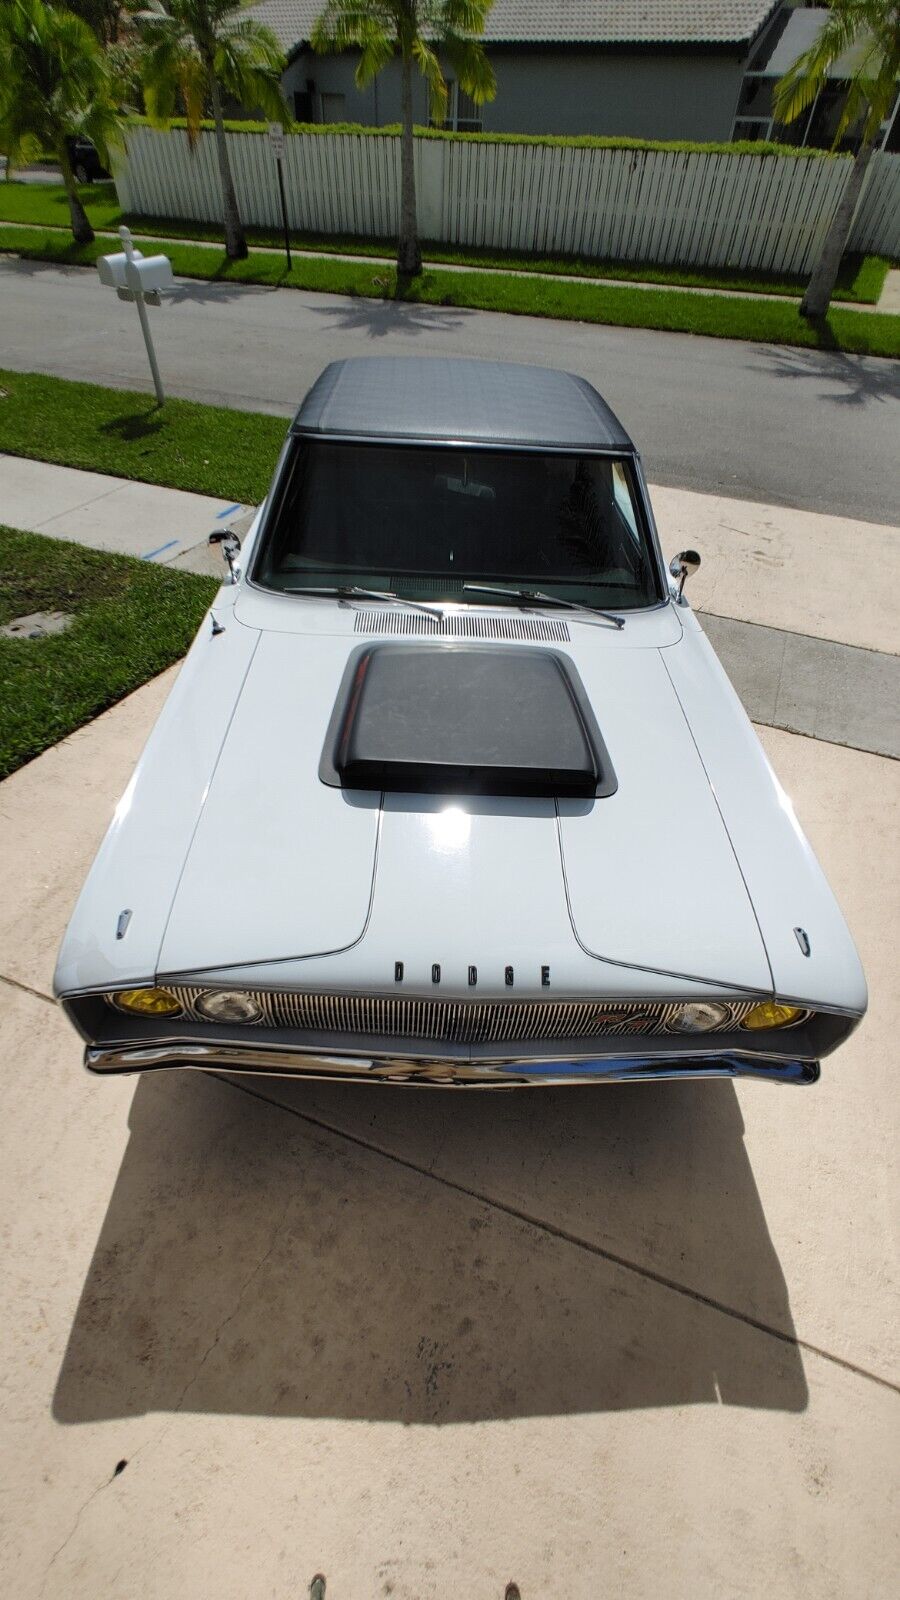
451,788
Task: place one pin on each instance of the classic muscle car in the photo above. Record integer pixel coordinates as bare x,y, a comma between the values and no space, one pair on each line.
451,788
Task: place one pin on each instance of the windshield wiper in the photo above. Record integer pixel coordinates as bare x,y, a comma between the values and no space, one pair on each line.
353,591
544,600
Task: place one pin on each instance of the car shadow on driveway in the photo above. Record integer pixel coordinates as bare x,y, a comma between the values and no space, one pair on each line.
430,1257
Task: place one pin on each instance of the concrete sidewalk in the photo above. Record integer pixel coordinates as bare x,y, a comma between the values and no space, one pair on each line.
168,526
634,1341
808,647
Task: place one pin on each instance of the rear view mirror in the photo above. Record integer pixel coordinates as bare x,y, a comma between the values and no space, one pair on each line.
683,566
231,545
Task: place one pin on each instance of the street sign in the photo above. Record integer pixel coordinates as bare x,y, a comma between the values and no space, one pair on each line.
276,140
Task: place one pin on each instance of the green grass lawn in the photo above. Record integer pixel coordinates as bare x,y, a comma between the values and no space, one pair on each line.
133,619
674,310
861,278
46,205
184,445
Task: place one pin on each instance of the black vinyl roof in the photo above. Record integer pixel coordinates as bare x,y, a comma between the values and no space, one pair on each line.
470,402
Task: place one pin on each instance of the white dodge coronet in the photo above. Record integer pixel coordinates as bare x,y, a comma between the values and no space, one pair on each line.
451,788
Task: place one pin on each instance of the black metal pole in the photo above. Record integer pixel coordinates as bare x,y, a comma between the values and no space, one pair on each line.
284,221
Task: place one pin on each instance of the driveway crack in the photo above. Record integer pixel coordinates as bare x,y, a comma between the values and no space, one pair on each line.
566,1237
74,1528
25,988
220,1329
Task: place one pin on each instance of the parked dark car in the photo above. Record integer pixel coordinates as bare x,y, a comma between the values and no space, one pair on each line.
85,159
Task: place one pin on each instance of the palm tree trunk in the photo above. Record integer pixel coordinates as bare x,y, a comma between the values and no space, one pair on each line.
409,256
82,232
235,242
820,288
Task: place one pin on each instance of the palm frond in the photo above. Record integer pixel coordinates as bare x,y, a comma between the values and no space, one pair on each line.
430,68
258,38
866,34
376,50
248,77
55,77
472,66
456,16
349,25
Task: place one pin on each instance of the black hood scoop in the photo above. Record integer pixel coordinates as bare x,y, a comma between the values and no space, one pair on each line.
465,719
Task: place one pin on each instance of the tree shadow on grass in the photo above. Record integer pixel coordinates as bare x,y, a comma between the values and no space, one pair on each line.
428,1257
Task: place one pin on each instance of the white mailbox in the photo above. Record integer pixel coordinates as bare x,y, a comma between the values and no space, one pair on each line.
149,274
141,279
140,274
112,269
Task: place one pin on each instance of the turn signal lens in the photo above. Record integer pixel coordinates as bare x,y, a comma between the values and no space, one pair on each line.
699,1017
772,1014
148,1002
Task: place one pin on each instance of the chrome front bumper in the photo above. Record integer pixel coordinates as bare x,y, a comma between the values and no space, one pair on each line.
444,1073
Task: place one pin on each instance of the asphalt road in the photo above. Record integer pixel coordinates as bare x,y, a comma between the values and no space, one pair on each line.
793,427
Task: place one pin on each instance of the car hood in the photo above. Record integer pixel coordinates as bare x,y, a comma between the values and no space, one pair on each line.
283,868
651,875
280,865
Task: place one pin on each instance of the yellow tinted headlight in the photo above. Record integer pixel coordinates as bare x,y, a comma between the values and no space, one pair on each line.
148,1002
772,1014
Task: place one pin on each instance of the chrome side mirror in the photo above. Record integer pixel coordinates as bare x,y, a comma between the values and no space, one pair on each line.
231,546
683,566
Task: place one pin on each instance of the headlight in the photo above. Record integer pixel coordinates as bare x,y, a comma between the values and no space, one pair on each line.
699,1017
227,1005
773,1014
147,1002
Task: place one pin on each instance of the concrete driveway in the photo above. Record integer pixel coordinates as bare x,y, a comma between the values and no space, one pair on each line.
633,1341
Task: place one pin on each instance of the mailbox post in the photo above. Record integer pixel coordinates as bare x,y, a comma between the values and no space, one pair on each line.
138,278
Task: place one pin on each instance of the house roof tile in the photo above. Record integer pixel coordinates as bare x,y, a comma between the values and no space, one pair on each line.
572,21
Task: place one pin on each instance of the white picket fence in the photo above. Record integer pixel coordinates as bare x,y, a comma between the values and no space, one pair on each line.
767,213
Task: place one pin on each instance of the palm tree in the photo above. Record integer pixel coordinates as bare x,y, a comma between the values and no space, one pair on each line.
195,50
54,85
103,16
867,33
414,30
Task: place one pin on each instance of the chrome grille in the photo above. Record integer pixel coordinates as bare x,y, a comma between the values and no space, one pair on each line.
546,630
460,1021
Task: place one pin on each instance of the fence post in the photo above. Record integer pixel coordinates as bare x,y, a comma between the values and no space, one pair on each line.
431,187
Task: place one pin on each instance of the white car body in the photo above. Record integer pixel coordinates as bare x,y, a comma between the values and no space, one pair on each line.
230,865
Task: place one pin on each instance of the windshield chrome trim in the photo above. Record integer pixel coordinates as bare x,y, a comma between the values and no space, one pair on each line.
627,453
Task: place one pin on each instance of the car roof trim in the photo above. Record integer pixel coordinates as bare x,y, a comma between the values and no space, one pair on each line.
423,399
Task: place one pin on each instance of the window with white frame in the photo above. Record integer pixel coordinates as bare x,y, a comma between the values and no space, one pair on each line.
462,115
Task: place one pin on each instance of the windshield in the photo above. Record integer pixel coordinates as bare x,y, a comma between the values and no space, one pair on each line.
422,521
